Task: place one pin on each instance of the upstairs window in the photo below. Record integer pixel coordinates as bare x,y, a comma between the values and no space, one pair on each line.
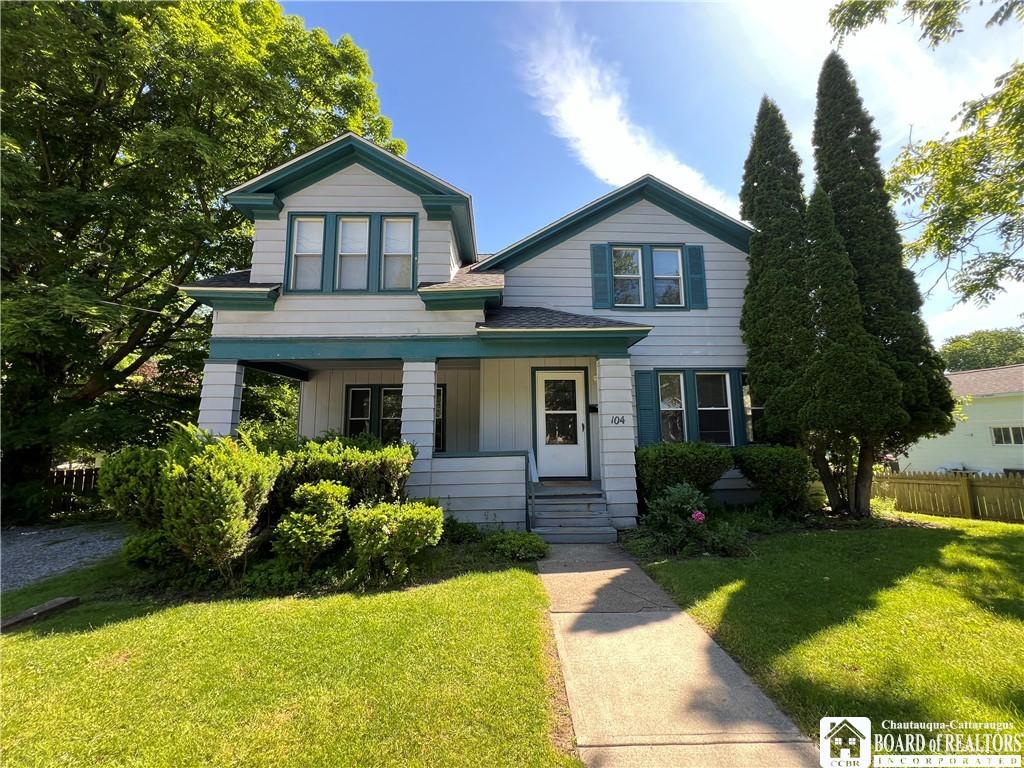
397,261
353,263
307,252
668,277
627,279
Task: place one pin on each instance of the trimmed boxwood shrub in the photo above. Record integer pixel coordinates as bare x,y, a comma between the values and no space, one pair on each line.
458,532
517,545
780,473
663,464
372,476
211,500
314,525
129,484
385,536
153,551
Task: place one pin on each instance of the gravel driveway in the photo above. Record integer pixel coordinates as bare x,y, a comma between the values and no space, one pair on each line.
31,554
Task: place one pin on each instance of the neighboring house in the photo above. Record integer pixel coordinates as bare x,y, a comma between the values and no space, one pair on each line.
992,437
548,360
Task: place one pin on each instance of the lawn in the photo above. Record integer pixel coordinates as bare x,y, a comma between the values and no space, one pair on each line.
445,674
908,623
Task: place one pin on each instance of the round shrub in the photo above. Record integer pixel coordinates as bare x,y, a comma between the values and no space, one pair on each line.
519,546
780,473
663,464
315,523
211,501
129,484
385,536
153,551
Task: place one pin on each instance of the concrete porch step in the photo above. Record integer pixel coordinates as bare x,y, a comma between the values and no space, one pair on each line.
541,520
579,508
577,534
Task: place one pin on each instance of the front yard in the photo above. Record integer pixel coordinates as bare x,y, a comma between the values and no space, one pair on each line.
446,674
917,622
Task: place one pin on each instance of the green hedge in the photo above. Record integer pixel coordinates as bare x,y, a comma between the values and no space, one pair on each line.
517,545
780,473
661,465
385,536
129,483
314,525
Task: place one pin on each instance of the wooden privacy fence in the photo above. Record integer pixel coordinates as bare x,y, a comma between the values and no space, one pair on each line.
75,480
980,496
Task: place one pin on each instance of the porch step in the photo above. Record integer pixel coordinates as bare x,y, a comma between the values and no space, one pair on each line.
570,507
543,520
577,534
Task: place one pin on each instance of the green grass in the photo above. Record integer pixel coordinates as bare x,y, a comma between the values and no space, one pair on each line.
445,674
908,623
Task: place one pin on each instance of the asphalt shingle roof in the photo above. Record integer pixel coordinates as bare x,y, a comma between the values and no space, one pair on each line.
465,279
541,318
239,279
1007,379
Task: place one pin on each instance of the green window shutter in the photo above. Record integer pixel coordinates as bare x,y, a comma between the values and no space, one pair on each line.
647,416
601,274
696,282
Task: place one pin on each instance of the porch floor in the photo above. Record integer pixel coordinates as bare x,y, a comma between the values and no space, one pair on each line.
567,487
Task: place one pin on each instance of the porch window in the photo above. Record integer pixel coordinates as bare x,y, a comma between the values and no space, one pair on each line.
440,405
714,414
668,277
391,414
359,402
307,252
353,253
673,413
627,278
377,409
397,258
1008,435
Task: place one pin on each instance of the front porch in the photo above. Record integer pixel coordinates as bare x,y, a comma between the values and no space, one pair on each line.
543,443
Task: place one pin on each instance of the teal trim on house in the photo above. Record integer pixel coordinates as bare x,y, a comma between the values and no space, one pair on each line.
465,298
649,404
262,197
421,348
236,299
648,188
329,254
648,416
281,369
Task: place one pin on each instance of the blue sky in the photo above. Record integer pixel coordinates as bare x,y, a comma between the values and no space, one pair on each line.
535,109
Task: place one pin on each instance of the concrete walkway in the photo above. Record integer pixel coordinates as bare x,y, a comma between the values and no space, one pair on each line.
646,685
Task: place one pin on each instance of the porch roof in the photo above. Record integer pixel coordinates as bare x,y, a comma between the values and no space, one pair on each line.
233,291
544,319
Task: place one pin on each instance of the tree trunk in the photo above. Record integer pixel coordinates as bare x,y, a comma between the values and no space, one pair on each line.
861,502
828,480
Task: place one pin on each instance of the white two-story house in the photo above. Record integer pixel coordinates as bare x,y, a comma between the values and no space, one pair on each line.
525,378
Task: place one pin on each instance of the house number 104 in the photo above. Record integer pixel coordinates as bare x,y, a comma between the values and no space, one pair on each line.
618,420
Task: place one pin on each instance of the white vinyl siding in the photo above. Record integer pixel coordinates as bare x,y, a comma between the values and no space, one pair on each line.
560,278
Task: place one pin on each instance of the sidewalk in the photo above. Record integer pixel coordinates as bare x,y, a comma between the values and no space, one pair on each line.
646,685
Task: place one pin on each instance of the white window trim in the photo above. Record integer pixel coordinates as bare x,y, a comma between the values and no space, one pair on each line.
678,278
728,403
384,253
638,276
337,267
296,253
1009,428
682,400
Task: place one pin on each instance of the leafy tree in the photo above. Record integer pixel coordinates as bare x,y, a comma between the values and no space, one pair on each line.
984,349
775,320
853,396
122,125
968,186
848,171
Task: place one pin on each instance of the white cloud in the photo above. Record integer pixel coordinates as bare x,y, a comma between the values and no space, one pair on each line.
946,317
585,99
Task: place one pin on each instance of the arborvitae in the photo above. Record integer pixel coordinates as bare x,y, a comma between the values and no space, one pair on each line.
775,320
846,160
853,396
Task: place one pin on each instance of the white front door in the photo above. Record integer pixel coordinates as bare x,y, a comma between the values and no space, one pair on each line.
561,417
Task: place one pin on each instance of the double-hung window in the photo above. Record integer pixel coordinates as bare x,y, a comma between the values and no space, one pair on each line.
397,257
307,252
377,409
627,277
359,419
1008,435
353,262
390,414
714,414
668,276
673,408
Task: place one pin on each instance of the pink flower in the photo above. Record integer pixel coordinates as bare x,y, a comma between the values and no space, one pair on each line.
697,516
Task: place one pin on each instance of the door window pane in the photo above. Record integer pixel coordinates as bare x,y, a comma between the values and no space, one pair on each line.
560,429
626,278
560,395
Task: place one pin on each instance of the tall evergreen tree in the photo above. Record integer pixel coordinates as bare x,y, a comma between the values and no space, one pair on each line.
775,320
853,397
846,160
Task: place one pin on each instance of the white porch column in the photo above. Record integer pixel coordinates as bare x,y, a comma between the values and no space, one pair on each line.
221,397
419,387
618,439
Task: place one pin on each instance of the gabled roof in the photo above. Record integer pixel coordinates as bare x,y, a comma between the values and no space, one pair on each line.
261,197
649,188
1005,380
